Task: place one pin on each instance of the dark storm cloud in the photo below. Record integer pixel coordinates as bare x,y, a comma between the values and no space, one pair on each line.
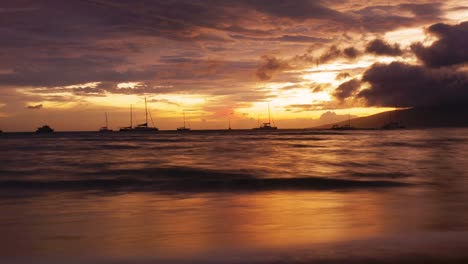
61,71
39,106
381,47
382,18
351,52
330,54
284,38
347,89
270,66
334,53
404,85
298,9
55,44
451,47
430,10
58,71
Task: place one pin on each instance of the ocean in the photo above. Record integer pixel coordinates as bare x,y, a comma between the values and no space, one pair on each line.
292,196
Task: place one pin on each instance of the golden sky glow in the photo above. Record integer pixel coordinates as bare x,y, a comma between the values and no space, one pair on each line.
229,63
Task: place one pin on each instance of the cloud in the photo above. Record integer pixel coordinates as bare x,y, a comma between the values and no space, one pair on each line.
382,18
270,66
351,52
164,101
403,85
347,89
333,53
380,47
342,76
330,117
283,38
449,49
39,106
297,10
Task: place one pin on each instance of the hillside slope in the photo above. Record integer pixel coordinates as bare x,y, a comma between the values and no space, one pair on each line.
420,117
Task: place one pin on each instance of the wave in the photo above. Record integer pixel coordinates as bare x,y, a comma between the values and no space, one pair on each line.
194,180
380,174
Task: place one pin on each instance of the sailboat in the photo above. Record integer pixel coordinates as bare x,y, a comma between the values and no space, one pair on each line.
129,128
267,125
144,127
105,128
184,128
344,127
393,124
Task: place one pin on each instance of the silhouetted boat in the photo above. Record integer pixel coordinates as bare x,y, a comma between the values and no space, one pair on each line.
267,125
144,127
392,124
184,128
344,127
105,128
44,129
129,128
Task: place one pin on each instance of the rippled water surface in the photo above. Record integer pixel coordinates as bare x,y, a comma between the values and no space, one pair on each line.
235,197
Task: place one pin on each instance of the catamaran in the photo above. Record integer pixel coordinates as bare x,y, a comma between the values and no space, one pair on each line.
267,125
144,127
105,128
141,127
129,128
393,124
344,127
184,128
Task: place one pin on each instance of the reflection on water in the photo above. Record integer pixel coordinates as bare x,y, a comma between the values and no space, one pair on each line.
216,198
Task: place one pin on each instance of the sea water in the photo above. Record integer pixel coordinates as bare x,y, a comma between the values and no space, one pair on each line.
293,196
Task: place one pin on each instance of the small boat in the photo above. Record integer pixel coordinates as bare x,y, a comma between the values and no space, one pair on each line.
266,126
44,129
105,128
344,127
184,128
392,124
129,128
144,127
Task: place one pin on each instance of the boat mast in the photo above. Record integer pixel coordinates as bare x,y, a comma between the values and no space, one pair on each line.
131,116
146,113
184,119
269,117
106,119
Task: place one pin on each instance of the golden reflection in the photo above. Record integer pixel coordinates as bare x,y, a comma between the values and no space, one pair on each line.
140,224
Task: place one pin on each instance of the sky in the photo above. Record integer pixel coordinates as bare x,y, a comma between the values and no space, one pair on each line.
67,63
